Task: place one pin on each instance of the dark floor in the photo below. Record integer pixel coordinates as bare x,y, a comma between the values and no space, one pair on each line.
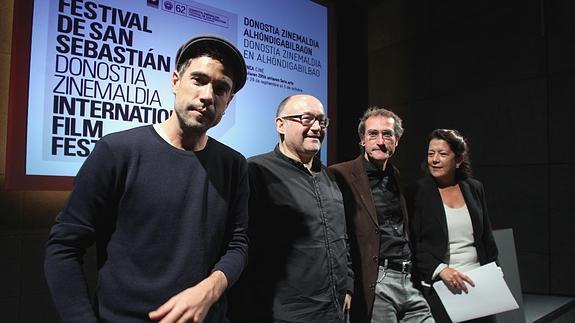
537,307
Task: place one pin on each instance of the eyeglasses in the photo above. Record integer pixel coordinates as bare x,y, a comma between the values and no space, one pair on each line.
374,134
309,119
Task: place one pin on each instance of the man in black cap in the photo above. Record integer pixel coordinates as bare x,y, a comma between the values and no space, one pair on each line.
165,204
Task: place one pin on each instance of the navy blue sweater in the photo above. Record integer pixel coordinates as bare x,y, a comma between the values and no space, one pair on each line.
163,220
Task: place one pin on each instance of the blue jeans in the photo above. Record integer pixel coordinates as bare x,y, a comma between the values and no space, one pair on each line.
396,300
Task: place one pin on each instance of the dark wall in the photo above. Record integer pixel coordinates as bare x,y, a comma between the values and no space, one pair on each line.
351,72
24,219
502,72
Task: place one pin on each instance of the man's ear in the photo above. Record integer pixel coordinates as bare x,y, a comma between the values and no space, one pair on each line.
280,125
175,81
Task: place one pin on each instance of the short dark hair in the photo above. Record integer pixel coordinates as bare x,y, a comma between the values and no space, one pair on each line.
460,147
377,111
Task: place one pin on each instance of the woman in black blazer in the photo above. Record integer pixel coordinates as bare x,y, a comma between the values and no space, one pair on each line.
450,226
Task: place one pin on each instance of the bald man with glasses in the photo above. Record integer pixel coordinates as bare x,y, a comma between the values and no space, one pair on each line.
299,267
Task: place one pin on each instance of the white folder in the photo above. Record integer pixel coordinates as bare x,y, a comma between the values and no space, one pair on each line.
489,296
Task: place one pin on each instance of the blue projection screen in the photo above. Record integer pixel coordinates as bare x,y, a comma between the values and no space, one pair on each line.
102,66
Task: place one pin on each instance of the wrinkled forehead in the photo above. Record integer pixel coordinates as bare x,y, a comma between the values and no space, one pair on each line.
379,122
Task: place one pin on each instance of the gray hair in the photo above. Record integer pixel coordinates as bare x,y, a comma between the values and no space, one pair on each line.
377,111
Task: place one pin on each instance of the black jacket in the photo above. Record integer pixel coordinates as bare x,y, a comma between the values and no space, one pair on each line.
429,225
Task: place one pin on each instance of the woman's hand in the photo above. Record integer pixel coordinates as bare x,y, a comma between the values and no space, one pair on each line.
455,280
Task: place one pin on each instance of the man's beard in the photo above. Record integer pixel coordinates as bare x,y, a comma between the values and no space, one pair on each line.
207,120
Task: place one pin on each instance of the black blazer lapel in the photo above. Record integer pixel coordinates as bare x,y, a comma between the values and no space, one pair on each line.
473,207
435,205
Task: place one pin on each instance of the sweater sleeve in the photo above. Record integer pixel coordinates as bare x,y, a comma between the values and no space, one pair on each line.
235,256
73,232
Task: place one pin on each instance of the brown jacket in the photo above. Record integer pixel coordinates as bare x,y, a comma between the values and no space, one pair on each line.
363,232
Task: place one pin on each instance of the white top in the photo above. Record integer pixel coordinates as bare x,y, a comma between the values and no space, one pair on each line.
461,254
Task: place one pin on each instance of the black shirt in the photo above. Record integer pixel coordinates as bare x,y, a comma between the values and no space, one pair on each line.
299,267
385,192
